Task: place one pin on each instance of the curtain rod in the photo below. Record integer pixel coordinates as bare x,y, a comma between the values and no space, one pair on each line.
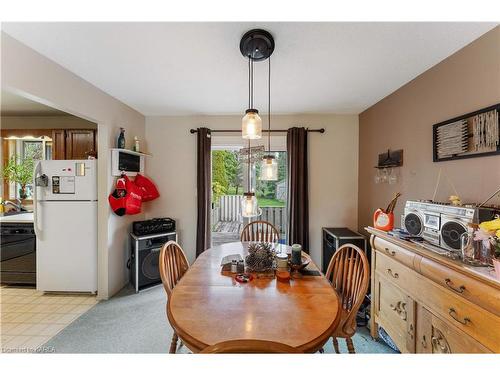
192,131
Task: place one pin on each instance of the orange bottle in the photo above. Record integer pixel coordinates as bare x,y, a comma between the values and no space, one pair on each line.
384,219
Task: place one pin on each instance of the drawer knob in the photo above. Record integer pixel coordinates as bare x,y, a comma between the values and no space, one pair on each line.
453,314
390,252
395,274
449,284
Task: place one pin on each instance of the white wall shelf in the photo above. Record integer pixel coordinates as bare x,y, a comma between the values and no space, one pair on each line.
130,166
131,152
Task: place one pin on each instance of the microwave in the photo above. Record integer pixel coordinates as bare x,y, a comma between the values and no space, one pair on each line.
126,162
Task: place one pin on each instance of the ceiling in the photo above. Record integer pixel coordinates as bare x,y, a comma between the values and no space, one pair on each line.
196,68
15,105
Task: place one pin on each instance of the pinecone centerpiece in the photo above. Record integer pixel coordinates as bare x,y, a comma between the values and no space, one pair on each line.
260,257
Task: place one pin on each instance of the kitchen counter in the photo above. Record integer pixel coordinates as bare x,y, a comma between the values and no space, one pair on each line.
25,217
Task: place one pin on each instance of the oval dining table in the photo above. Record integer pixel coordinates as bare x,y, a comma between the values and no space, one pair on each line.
209,306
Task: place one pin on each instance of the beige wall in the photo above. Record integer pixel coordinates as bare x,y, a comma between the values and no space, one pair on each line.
27,73
466,81
45,122
333,172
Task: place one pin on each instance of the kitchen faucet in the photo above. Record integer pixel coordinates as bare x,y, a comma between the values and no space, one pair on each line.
18,207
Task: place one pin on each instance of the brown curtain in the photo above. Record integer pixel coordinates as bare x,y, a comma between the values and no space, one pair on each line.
298,187
203,189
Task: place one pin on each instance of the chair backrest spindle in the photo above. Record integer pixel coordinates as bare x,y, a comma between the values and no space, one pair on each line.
349,274
260,231
173,265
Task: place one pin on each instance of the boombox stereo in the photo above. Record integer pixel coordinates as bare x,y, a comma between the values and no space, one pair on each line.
442,224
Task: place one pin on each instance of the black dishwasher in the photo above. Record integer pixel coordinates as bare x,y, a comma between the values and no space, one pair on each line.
18,253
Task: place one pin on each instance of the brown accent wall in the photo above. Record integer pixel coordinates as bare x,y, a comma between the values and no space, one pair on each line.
466,81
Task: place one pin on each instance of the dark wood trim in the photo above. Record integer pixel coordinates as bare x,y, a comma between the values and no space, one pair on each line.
4,133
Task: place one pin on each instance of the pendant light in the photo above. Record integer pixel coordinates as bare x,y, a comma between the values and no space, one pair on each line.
255,45
251,124
249,204
269,166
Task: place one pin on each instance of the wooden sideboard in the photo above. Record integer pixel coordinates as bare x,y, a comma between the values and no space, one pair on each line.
429,303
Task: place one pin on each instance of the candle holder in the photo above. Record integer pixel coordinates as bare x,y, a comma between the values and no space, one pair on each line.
296,268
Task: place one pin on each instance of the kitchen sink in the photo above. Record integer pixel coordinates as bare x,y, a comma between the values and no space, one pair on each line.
12,213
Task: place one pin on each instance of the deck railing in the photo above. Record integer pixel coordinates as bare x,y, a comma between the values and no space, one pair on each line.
229,206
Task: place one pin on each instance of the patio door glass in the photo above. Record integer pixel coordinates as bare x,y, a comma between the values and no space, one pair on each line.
229,182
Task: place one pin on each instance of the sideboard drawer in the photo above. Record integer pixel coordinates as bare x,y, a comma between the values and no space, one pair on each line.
476,322
394,251
462,285
396,272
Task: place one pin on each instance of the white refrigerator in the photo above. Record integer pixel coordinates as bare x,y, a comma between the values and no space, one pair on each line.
65,222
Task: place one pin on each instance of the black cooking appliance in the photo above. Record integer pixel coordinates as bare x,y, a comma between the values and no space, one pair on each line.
18,253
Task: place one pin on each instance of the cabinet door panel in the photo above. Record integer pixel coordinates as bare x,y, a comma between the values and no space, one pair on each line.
79,143
58,144
437,336
396,314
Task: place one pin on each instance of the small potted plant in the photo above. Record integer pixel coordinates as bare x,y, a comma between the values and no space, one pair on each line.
490,231
19,171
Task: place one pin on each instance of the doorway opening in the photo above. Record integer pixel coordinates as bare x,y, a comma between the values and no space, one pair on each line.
33,134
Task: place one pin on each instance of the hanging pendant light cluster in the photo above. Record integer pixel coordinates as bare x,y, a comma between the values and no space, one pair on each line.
255,45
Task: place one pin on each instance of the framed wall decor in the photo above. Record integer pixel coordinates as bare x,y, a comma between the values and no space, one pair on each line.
471,135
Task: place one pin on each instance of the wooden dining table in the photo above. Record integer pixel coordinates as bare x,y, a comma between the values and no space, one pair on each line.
209,306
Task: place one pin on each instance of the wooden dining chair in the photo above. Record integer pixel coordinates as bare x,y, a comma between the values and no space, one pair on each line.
250,346
260,231
349,274
173,265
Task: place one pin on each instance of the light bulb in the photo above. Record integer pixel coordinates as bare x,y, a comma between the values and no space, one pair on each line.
251,125
269,169
249,206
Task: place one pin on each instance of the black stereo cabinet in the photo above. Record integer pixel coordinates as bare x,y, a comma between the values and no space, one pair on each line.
333,238
144,258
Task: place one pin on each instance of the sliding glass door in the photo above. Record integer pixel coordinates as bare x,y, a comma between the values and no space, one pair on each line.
230,181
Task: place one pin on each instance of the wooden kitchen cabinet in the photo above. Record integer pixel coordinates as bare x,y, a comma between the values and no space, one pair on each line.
58,144
396,312
73,144
428,303
436,336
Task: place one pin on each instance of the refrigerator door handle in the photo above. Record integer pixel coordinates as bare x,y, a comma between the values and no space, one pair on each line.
38,231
